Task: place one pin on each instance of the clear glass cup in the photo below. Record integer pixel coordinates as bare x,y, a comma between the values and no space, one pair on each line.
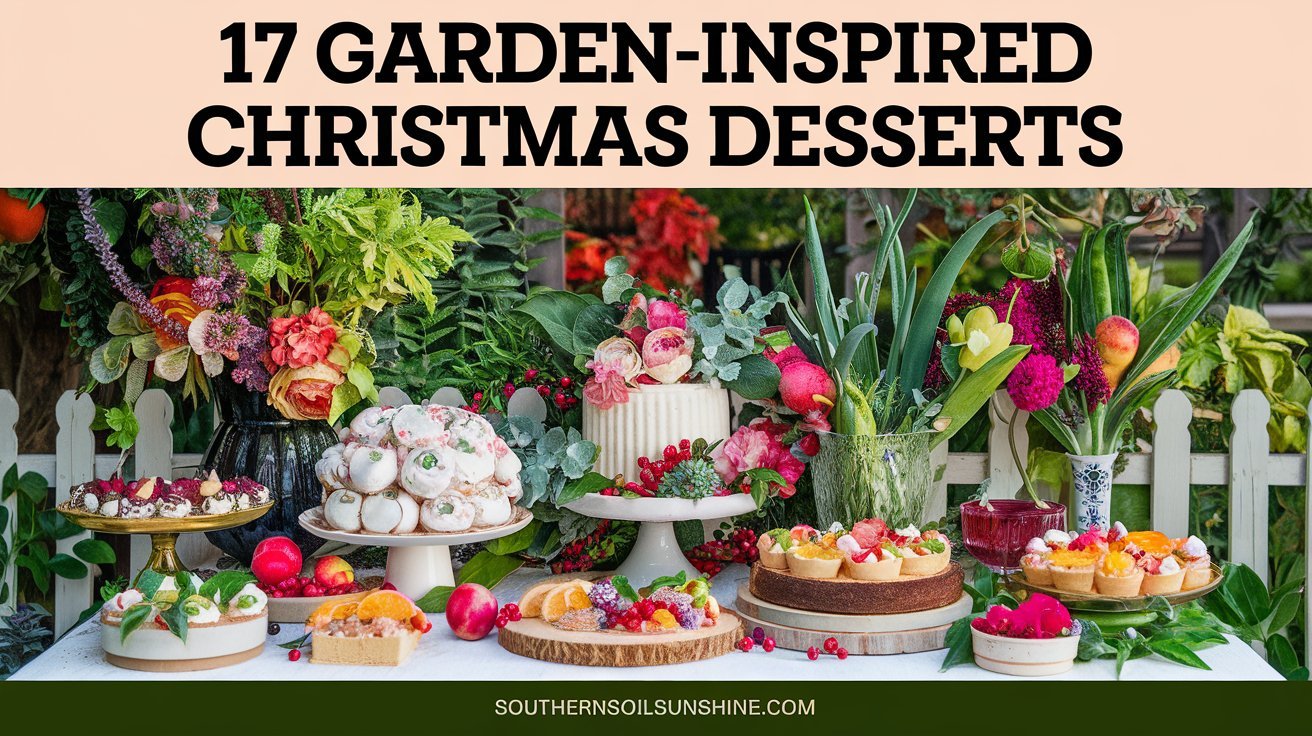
997,537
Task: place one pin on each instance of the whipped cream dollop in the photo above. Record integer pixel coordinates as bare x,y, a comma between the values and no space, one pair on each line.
1194,547
249,601
1169,566
1118,531
848,545
200,610
1036,546
125,600
908,531
1056,537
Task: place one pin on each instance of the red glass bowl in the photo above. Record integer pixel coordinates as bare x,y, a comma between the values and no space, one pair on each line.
997,537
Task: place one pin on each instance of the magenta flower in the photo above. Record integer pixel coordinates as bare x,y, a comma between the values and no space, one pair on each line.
1036,382
758,445
661,313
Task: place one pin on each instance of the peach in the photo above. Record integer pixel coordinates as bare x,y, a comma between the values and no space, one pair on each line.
471,611
275,560
1118,341
332,571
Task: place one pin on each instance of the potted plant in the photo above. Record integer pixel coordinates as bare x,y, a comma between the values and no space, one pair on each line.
874,461
659,366
1036,638
260,299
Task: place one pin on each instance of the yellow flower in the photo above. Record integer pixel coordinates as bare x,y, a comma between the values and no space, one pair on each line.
983,337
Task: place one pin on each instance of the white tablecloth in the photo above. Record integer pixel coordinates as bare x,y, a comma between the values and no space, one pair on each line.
441,656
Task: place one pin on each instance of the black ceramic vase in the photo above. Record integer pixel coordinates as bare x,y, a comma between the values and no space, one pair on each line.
254,440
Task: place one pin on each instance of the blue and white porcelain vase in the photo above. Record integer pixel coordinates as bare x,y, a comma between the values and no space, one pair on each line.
1092,498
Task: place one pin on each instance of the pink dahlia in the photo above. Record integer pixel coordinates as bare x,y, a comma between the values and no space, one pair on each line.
1036,382
302,340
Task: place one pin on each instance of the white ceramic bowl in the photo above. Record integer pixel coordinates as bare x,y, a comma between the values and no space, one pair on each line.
1024,657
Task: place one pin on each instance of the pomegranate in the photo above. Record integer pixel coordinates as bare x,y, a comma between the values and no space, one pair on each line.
276,560
19,224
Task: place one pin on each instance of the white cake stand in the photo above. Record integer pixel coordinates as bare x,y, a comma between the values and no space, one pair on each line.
416,563
656,551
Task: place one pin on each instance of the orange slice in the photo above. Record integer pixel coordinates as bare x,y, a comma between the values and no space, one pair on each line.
386,604
571,596
530,604
327,611
1118,564
1156,544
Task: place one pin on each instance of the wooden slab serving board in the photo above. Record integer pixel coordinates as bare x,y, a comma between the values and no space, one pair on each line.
836,623
540,640
890,642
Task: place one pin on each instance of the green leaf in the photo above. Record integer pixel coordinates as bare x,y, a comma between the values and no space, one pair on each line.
1176,652
758,378
595,323
1092,644
434,601
133,618
488,569
176,619
517,542
555,312
148,582
624,588
94,551
589,483
1244,592
960,645
345,396
970,395
1283,611
32,485
1281,656
67,567
1034,262
225,584
112,216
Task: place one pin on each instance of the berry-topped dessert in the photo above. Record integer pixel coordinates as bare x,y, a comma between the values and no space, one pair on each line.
151,498
868,569
669,604
381,627
408,469
1117,563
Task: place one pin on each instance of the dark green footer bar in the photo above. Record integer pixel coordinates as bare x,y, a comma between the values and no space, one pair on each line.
671,708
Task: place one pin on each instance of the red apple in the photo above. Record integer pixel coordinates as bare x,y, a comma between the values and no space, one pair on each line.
471,611
276,559
332,571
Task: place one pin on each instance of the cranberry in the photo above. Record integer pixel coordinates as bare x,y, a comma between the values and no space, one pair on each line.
544,391
276,594
745,644
842,653
294,655
831,645
768,644
566,382
312,591
530,374
812,654
502,621
514,615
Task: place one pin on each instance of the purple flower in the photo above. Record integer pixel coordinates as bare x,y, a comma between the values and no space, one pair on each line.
1036,382
1090,380
250,370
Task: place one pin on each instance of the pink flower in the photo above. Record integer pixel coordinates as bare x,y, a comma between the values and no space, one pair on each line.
661,313
1036,382
302,340
758,445
667,353
607,386
1037,617
634,324
621,353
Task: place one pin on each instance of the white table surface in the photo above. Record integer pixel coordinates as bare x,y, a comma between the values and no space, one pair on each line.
441,656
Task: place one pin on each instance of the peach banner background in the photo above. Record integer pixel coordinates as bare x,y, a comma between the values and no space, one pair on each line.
1213,93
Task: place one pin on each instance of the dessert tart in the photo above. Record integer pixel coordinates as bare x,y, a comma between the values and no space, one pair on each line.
873,567
1073,570
922,554
377,628
1163,576
419,469
1035,564
1192,555
772,547
157,498
811,560
1118,576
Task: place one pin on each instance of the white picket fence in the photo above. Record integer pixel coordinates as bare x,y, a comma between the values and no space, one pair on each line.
1250,469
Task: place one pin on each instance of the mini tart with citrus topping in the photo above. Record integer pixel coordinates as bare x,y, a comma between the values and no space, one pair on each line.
380,627
929,555
1118,576
1036,569
1193,556
773,546
876,563
1161,576
814,561
1072,570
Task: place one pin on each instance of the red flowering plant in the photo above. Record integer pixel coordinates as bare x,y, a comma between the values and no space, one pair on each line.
272,290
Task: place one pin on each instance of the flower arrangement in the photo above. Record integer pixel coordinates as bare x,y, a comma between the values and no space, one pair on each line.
888,390
635,335
273,289
753,460
1037,617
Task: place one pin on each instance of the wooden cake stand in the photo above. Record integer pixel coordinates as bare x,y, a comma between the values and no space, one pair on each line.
540,640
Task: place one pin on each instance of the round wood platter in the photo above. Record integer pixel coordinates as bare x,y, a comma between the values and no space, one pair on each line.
907,594
889,642
847,623
540,640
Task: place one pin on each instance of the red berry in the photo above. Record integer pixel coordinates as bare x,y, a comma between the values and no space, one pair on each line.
530,374
831,645
502,621
312,591
813,654
294,655
512,608
745,644
515,615
842,653
428,626
768,644
387,586
566,382
544,391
